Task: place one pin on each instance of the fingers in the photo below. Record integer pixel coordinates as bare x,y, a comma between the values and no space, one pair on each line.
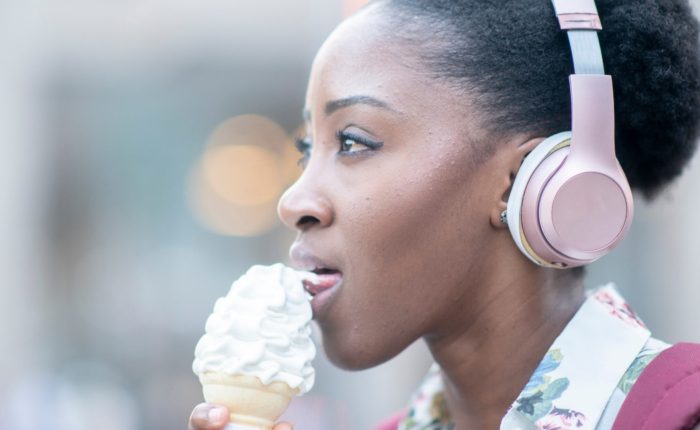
206,416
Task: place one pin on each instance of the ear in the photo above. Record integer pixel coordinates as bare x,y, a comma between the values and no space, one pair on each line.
512,160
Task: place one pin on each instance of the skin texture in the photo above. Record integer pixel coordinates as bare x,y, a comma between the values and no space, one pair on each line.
414,226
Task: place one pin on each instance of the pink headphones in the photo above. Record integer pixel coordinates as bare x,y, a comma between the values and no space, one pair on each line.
570,203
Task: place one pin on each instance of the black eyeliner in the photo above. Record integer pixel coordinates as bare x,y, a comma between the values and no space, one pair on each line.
302,144
344,135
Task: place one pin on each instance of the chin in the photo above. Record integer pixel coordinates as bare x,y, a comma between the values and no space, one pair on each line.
357,354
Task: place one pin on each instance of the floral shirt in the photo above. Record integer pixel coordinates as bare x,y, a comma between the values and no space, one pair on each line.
569,389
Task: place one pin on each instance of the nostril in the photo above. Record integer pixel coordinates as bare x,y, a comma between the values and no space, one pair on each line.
307,221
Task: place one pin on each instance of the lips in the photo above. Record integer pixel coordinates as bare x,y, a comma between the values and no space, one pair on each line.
325,282
323,287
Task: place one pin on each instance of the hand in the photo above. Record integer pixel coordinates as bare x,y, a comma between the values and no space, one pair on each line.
207,416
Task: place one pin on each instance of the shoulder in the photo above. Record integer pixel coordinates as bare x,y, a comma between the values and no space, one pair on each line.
648,353
660,388
666,394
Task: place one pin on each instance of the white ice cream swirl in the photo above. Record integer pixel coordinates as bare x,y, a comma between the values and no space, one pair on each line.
261,328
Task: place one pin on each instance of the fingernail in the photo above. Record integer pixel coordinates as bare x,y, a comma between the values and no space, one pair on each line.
216,415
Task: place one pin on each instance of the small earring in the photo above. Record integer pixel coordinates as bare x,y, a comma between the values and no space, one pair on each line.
504,217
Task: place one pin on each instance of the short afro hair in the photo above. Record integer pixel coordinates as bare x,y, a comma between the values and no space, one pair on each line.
512,56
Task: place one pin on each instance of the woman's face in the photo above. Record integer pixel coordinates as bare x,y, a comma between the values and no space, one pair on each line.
390,196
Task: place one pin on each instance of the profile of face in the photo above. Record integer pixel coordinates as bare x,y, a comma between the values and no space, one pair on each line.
393,196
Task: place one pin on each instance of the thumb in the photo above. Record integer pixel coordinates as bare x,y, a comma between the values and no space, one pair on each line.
208,416
283,426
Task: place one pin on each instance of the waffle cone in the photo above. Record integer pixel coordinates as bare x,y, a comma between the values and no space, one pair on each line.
250,402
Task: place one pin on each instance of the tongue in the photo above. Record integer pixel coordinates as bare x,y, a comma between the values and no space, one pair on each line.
326,280
321,282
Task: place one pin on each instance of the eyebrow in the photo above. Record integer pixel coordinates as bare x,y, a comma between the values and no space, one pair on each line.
335,105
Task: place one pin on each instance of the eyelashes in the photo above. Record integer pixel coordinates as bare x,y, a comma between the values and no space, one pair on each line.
303,145
346,142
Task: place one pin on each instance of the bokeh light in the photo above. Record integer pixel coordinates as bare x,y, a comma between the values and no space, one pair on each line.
255,130
247,163
245,175
224,217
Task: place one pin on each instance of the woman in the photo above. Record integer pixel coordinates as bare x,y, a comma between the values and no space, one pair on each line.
419,114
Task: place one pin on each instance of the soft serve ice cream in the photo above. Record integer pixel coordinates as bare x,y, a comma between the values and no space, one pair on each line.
261,328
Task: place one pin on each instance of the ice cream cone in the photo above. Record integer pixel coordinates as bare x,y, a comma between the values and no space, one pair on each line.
251,403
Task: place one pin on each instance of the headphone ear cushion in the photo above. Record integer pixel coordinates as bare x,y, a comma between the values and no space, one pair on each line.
515,200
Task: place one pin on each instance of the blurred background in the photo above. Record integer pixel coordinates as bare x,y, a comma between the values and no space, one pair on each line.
144,147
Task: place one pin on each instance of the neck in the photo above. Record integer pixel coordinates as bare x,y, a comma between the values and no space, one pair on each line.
488,354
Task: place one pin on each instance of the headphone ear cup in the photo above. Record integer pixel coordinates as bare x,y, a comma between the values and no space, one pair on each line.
584,209
549,152
564,212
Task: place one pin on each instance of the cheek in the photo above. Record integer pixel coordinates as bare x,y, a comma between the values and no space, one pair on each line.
410,231
407,241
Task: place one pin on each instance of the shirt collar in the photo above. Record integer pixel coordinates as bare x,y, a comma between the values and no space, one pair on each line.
574,381
578,374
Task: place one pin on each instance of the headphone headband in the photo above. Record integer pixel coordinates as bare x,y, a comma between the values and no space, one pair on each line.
570,202
577,14
579,18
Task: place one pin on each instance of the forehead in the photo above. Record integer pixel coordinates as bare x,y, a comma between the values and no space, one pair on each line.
362,58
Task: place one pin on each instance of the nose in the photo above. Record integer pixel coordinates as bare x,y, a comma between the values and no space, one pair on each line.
304,206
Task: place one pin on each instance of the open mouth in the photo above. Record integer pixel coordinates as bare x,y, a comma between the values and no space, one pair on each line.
324,271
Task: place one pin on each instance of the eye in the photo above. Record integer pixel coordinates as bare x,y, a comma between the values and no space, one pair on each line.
303,145
351,143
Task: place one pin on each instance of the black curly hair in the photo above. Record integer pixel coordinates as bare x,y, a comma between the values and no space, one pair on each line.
513,60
